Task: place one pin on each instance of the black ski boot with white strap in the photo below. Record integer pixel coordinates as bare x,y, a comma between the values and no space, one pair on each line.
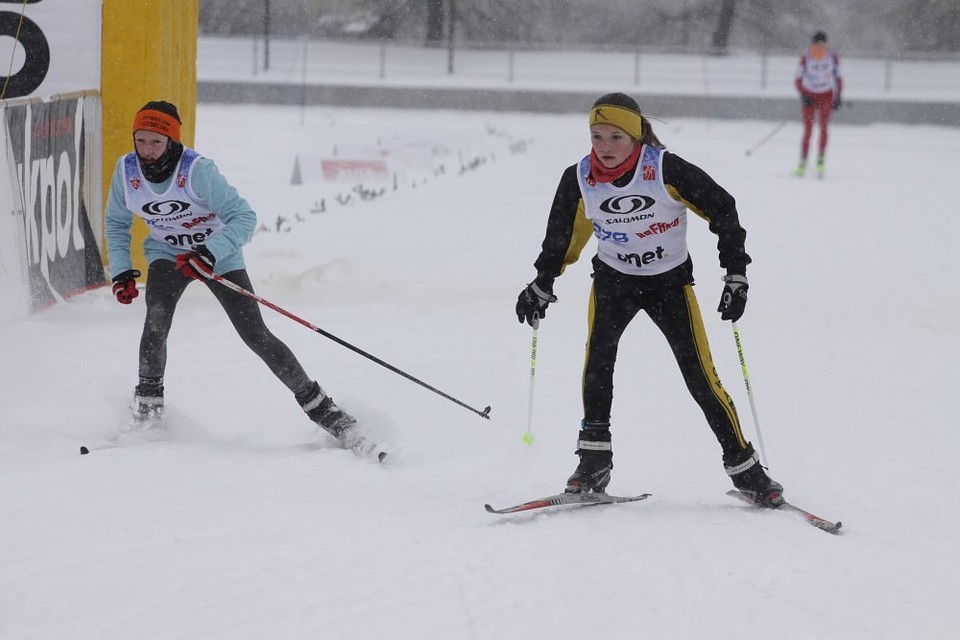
148,402
321,408
596,459
751,480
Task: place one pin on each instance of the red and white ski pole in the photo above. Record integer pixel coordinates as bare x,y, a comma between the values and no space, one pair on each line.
249,294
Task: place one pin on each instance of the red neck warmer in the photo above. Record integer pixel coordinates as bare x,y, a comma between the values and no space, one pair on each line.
601,173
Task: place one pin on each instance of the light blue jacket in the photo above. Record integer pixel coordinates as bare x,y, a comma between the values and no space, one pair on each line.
207,183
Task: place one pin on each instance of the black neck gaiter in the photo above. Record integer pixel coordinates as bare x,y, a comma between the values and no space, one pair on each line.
163,167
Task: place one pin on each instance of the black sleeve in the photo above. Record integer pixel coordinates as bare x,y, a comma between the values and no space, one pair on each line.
710,201
564,239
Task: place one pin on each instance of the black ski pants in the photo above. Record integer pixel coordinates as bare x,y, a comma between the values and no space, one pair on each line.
165,286
614,301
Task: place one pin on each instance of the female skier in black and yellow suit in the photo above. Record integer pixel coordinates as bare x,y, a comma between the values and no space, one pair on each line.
633,195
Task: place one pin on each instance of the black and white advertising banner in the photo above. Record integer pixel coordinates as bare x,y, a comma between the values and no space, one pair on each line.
57,46
47,143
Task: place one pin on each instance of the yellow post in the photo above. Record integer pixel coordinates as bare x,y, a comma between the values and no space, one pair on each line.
148,52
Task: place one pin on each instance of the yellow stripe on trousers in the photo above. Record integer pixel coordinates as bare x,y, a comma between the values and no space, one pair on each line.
704,357
706,362
591,314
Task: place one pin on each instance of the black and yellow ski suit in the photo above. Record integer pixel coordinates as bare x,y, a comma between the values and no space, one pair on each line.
621,213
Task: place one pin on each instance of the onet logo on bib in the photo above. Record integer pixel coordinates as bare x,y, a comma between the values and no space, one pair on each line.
641,259
187,239
624,205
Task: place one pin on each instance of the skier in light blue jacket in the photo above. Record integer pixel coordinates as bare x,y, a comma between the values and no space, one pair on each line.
197,225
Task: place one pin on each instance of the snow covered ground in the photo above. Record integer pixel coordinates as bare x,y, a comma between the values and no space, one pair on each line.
244,523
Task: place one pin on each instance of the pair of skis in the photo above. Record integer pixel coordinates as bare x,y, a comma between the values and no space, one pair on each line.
594,499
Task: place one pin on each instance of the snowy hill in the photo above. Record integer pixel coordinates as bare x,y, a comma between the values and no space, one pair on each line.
242,522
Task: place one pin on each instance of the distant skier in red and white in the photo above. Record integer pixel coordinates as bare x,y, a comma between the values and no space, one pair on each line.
819,83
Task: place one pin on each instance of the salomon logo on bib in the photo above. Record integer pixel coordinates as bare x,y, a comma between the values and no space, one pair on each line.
165,207
625,205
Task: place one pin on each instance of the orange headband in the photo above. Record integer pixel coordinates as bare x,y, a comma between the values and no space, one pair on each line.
158,122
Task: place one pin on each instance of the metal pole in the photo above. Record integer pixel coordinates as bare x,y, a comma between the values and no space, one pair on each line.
266,35
383,60
451,28
303,81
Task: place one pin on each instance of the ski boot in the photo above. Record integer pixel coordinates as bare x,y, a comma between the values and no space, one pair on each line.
801,168
821,167
751,480
321,408
596,459
361,445
148,402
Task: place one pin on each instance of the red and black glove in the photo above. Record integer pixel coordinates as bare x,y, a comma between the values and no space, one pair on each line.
125,286
198,264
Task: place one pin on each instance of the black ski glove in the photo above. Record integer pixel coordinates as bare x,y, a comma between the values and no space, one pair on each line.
532,302
836,103
734,298
806,100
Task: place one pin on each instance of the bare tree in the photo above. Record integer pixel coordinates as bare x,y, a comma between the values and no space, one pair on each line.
436,10
721,34
703,25
930,25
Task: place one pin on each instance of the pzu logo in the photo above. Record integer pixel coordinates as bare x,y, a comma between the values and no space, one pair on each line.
622,205
165,207
609,236
35,48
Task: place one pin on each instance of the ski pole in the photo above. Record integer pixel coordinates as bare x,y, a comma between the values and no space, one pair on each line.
249,294
769,135
528,436
746,382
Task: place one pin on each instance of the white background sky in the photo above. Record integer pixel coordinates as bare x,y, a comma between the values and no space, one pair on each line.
242,522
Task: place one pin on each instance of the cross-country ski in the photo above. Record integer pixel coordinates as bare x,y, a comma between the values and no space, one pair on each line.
568,499
816,521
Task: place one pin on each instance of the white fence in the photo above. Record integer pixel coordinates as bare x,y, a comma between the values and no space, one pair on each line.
312,62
